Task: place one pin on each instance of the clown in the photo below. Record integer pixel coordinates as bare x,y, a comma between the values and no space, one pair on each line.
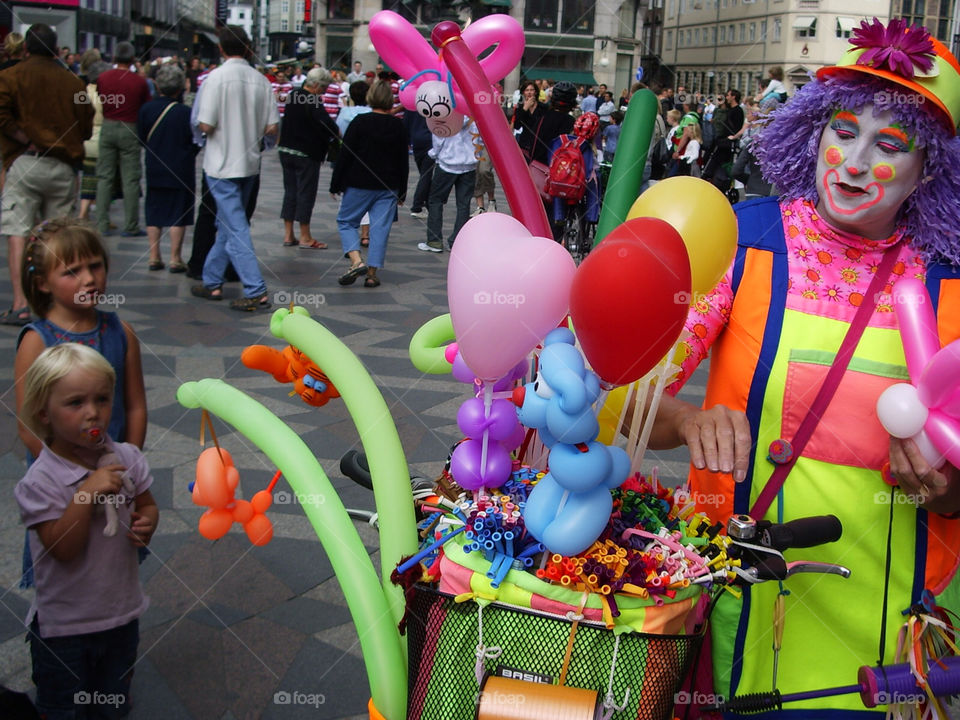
867,162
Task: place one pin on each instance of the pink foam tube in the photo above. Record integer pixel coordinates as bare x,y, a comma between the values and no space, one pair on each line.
486,111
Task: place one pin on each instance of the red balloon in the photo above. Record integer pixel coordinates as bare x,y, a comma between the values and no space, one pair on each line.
630,298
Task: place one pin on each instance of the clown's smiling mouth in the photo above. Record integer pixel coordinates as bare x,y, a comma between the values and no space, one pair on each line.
849,190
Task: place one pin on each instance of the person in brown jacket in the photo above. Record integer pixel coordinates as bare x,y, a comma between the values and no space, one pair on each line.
45,116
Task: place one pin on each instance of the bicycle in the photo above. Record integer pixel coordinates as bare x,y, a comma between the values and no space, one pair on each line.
578,233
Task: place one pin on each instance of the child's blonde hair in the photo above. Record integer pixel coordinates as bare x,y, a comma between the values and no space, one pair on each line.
51,366
693,130
63,240
674,115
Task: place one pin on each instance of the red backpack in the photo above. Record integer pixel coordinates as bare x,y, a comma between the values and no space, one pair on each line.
567,178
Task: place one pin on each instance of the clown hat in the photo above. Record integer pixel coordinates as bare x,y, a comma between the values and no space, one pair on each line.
909,57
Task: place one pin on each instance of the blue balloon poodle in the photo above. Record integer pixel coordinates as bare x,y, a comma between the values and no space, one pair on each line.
571,504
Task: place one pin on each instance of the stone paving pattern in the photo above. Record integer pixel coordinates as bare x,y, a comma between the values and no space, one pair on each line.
230,625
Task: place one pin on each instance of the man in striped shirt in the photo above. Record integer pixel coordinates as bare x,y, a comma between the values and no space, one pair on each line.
281,89
331,99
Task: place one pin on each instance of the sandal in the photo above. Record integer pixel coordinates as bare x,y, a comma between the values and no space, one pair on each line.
202,291
315,245
350,276
16,316
371,281
156,265
178,267
253,304
290,243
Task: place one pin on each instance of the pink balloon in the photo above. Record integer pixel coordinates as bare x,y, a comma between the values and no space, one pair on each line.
944,433
466,468
398,42
929,451
939,381
918,325
408,53
506,291
460,56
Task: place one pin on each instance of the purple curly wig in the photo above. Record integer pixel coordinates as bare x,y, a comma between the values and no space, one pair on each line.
787,152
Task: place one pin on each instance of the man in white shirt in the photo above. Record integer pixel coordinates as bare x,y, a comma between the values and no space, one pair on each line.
455,169
357,73
236,109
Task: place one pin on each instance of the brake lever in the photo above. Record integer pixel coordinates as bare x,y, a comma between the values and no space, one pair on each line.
805,566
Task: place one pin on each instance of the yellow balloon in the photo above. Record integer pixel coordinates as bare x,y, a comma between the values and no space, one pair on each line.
705,220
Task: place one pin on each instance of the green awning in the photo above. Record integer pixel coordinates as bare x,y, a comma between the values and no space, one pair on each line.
497,3
577,77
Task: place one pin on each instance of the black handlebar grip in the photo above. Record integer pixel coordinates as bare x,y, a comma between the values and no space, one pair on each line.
803,532
354,465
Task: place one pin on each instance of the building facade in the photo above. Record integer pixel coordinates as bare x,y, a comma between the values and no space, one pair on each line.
584,41
712,45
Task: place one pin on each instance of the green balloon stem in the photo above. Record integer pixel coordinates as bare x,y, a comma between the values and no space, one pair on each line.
383,650
626,175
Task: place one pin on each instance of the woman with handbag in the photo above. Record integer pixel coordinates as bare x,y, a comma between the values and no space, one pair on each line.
868,165
164,129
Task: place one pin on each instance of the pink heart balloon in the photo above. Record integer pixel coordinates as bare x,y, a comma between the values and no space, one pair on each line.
506,289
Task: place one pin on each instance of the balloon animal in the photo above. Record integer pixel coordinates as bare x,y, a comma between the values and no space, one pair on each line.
214,488
928,409
571,504
437,104
291,365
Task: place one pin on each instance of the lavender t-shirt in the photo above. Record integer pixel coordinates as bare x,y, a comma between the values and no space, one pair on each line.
100,588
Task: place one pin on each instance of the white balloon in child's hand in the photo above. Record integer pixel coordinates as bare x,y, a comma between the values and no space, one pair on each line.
110,507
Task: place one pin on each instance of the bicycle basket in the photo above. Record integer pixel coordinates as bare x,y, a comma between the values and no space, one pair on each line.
443,633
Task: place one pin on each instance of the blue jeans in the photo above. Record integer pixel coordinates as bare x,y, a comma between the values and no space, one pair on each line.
84,676
382,206
233,244
440,186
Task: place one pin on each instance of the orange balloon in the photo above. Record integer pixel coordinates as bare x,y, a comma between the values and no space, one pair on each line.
214,524
259,530
212,486
243,511
261,501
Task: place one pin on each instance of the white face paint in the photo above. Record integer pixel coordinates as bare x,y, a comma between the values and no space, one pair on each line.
867,166
435,104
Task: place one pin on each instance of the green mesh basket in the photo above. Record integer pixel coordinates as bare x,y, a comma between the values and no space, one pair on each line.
443,636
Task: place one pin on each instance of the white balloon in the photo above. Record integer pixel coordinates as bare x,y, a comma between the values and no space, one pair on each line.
928,450
900,411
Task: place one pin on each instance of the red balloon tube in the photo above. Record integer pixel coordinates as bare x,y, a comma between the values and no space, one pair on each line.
485,109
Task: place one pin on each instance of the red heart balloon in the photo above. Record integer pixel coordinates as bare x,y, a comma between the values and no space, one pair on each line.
630,298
